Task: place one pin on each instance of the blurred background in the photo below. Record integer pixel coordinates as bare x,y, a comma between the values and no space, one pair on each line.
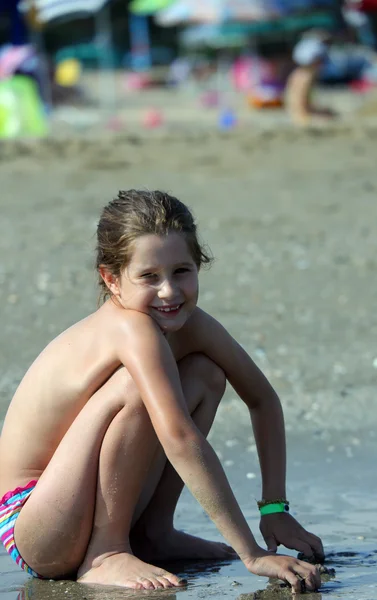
236,56
260,114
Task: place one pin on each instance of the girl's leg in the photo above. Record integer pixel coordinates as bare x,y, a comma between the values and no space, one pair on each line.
154,537
108,448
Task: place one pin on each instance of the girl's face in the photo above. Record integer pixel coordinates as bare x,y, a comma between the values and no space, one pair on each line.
161,280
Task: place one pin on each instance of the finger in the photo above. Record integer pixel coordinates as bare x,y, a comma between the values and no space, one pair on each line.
294,581
301,546
317,547
310,575
271,543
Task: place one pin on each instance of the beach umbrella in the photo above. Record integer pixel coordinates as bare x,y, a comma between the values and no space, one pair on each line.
48,11
237,35
148,7
212,36
54,9
228,35
218,11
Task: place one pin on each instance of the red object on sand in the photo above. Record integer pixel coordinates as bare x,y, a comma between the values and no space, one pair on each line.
137,81
153,118
362,86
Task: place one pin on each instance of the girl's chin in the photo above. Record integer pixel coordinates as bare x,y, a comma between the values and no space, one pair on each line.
170,327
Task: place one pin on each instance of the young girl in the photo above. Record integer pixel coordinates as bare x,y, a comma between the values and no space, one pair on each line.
111,420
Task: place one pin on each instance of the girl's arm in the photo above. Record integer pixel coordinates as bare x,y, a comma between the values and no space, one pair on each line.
147,356
268,425
260,398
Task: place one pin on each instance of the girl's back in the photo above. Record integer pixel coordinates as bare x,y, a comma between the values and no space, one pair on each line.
53,391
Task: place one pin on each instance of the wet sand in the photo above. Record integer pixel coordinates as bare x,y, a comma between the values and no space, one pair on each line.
333,495
290,217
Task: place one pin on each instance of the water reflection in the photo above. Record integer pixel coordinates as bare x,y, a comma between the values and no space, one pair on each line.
283,594
36,589
354,578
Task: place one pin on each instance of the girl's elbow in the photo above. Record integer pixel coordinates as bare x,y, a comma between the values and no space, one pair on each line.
177,440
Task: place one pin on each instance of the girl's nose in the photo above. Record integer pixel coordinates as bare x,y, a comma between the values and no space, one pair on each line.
167,290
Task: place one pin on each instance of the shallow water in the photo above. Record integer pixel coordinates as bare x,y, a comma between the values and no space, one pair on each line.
332,492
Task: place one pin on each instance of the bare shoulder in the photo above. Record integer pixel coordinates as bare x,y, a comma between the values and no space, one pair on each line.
133,332
132,323
203,333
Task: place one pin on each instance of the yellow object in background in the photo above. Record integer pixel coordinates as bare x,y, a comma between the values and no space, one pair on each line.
68,72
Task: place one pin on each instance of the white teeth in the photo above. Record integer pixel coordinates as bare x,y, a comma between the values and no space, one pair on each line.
169,309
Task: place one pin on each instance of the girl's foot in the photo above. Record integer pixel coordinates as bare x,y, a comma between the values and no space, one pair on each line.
123,569
177,545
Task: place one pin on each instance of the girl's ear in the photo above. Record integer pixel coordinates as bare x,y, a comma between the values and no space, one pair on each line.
110,280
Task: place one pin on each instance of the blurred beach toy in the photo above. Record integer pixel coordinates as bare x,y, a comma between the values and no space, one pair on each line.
227,119
136,81
68,72
210,99
153,118
21,109
264,100
12,58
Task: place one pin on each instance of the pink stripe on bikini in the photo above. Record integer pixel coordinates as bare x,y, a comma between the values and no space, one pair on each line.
18,490
6,537
7,513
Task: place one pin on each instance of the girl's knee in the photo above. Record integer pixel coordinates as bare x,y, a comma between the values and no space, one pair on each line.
203,368
126,394
215,379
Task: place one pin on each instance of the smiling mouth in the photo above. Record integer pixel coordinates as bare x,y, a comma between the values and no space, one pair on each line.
168,310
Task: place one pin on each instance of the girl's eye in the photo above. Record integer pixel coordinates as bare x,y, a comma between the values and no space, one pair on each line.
148,276
182,270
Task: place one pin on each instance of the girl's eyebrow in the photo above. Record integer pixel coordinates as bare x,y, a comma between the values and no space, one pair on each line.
146,269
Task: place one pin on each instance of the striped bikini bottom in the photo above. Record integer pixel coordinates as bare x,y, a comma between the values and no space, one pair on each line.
10,507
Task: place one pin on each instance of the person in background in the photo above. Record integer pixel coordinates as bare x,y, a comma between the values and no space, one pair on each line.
309,55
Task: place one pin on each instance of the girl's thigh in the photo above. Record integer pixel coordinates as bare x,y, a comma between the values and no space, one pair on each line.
53,529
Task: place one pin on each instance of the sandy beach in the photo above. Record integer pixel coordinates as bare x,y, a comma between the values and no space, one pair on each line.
290,218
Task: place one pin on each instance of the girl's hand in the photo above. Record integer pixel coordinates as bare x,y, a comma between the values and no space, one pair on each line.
282,528
300,575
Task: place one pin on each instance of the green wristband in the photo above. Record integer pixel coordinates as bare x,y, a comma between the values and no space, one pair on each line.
277,507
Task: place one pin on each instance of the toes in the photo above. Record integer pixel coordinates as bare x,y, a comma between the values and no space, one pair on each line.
146,583
164,582
174,580
157,583
134,585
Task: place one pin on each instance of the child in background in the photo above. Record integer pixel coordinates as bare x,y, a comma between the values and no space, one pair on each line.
309,55
111,420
